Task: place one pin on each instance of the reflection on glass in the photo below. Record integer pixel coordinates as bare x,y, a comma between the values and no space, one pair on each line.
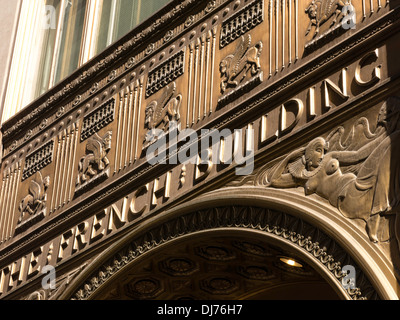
72,33
121,16
49,40
61,47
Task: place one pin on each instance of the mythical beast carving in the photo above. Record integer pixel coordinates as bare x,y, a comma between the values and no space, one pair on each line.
235,67
161,113
95,161
320,11
34,204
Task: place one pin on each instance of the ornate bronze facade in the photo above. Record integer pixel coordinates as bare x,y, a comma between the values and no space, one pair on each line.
320,95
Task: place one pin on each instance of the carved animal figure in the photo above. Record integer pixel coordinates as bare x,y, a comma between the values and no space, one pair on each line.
320,11
234,67
160,114
164,110
95,160
35,201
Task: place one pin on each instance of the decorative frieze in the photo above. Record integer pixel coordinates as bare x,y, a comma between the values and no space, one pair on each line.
129,114
201,77
160,114
98,119
8,200
64,167
246,19
38,160
164,74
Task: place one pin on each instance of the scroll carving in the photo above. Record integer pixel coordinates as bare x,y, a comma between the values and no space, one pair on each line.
94,166
359,177
32,207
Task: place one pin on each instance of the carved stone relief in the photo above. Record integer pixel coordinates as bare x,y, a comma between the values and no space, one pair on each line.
65,164
164,74
94,166
33,206
129,115
38,160
229,264
201,75
161,113
241,70
98,119
320,12
358,176
243,21
8,200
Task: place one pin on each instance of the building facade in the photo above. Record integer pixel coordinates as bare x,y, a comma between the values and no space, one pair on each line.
217,149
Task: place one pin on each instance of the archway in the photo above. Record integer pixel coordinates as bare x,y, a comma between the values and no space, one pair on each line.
229,243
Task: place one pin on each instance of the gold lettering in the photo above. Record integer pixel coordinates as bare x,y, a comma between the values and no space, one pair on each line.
298,112
98,229
80,236
17,271
34,265
117,215
203,167
342,92
264,131
157,189
66,243
311,104
3,279
139,192
376,74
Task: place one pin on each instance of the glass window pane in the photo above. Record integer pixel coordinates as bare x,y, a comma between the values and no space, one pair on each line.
105,23
48,46
121,16
148,7
71,39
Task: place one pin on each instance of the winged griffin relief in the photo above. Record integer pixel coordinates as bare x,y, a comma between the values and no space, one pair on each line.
359,177
161,113
94,164
320,11
33,205
235,67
